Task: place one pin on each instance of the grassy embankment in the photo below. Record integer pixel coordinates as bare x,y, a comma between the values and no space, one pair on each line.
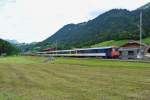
118,43
31,78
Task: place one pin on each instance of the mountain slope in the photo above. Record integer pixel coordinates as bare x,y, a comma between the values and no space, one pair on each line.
146,6
115,24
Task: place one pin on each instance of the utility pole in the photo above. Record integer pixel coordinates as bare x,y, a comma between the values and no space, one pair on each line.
140,55
141,24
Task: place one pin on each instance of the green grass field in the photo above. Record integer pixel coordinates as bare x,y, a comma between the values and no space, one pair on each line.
119,42
31,78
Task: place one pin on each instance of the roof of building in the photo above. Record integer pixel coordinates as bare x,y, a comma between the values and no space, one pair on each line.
133,44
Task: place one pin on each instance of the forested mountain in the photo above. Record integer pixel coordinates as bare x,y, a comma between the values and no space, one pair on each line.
7,48
25,47
145,6
116,24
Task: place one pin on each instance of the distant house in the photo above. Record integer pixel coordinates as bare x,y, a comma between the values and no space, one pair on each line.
148,50
132,49
147,54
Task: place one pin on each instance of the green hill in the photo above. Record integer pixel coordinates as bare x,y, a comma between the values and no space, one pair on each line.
118,43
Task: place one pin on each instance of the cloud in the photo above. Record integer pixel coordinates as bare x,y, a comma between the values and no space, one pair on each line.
36,20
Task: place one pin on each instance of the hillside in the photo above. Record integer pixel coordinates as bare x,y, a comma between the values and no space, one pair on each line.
118,42
116,24
6,47
145,6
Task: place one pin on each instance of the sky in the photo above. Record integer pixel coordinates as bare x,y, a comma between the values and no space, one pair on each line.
35,20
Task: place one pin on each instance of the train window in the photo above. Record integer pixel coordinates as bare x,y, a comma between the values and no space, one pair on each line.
92,51
96,51
120,52
130,53
85,51
103,50
58,53
79,51
67,52
73,52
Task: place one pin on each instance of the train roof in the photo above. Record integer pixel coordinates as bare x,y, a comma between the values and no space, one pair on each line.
83,49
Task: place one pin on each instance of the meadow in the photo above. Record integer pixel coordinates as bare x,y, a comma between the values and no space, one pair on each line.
34,78
119,42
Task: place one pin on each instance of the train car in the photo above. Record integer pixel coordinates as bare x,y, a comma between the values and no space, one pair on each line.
105,52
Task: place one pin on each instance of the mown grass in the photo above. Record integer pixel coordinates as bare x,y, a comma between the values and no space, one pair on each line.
31,78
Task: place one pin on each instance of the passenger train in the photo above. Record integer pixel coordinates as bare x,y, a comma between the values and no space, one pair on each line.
104,52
